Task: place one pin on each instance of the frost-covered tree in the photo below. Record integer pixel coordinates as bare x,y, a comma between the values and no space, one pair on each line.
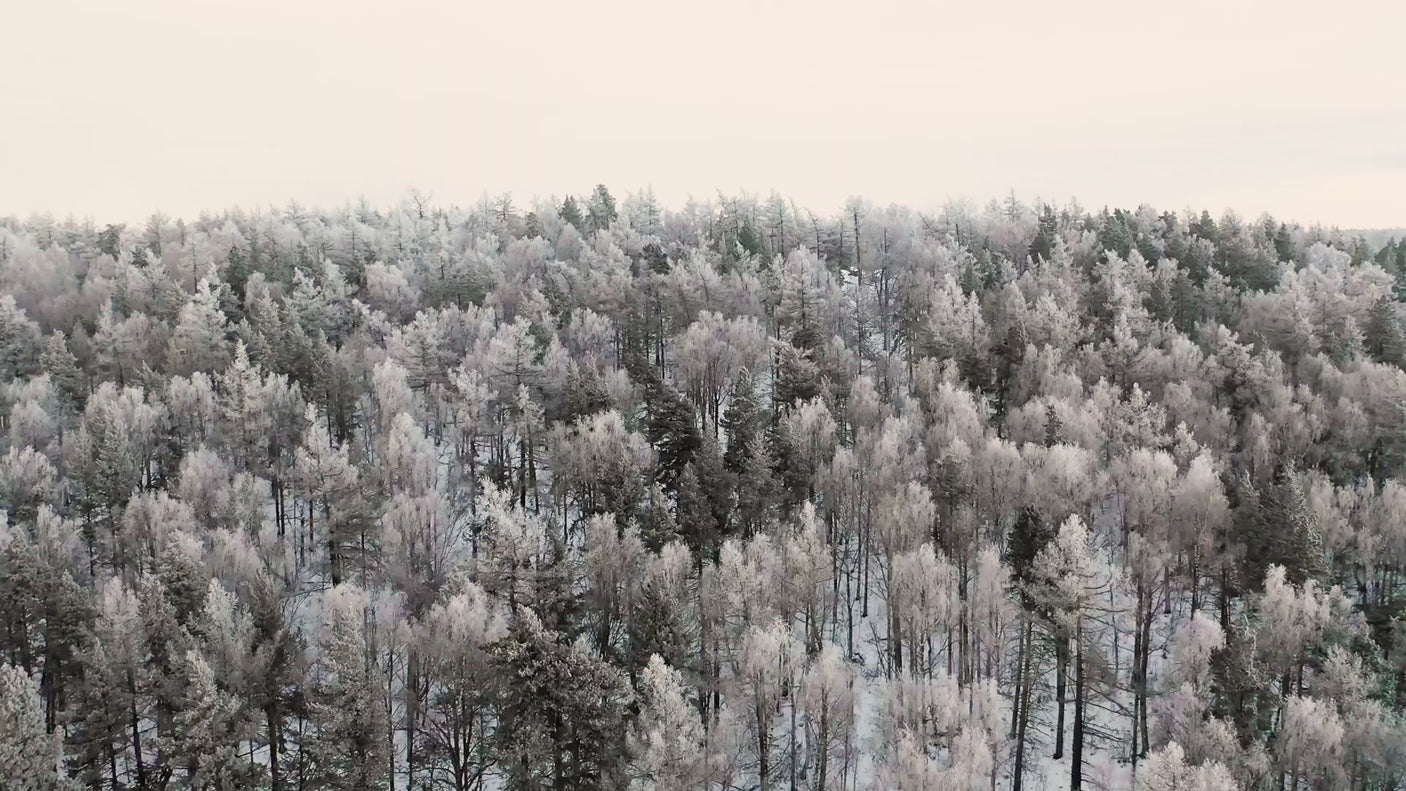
668,746
347,748
559,712
457,729
199,342
29,753
1167,770
208,732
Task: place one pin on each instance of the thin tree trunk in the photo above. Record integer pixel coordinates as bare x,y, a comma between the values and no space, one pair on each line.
136,728
275,737
1022,719
1076,762
1061,673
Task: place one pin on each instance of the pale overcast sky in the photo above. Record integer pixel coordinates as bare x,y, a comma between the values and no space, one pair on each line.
116,109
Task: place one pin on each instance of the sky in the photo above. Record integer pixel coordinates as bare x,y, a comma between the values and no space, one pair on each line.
115,110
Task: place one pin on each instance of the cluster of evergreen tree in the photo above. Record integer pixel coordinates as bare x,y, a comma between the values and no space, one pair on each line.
605,496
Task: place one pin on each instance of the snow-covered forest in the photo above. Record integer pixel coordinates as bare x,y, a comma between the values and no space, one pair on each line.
602,494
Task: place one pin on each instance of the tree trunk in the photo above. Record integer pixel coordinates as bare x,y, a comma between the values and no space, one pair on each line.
412,714
1076,762
136,729
1024,682
1061,673
1195,573
763,750
1139,682
275,737
1142,677
896,643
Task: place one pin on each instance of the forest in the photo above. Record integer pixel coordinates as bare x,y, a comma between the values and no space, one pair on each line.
603,494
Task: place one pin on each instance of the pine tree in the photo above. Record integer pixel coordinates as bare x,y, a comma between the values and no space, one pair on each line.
327,477
600,211
1384,335
759,492
659,628
797,376
744,421
698,526
671,426
198,342
19,341
559,712
207,733
1281,531
347,751
60,364
247,421
571,212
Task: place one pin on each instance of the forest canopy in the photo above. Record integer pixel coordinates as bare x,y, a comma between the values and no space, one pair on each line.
600,494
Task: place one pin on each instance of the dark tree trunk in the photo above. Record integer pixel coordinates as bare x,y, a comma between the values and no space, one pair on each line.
1076,762
1024,682
275,737
1061,674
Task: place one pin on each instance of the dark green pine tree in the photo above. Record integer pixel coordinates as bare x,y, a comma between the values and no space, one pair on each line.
1279,529
584,396
165,642
1114,233
1205,227
560,711
656,519
797,376
1284,247
1030,534
238,272
744,421
1242,689
655,258
1383,334
62,367
1009,356
99,710
1046,236
697,526
716,480
759,491
1186,301
1400,269
279,669
600,210
555,599
670,425
571,212
1053,426
660,626
348,750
